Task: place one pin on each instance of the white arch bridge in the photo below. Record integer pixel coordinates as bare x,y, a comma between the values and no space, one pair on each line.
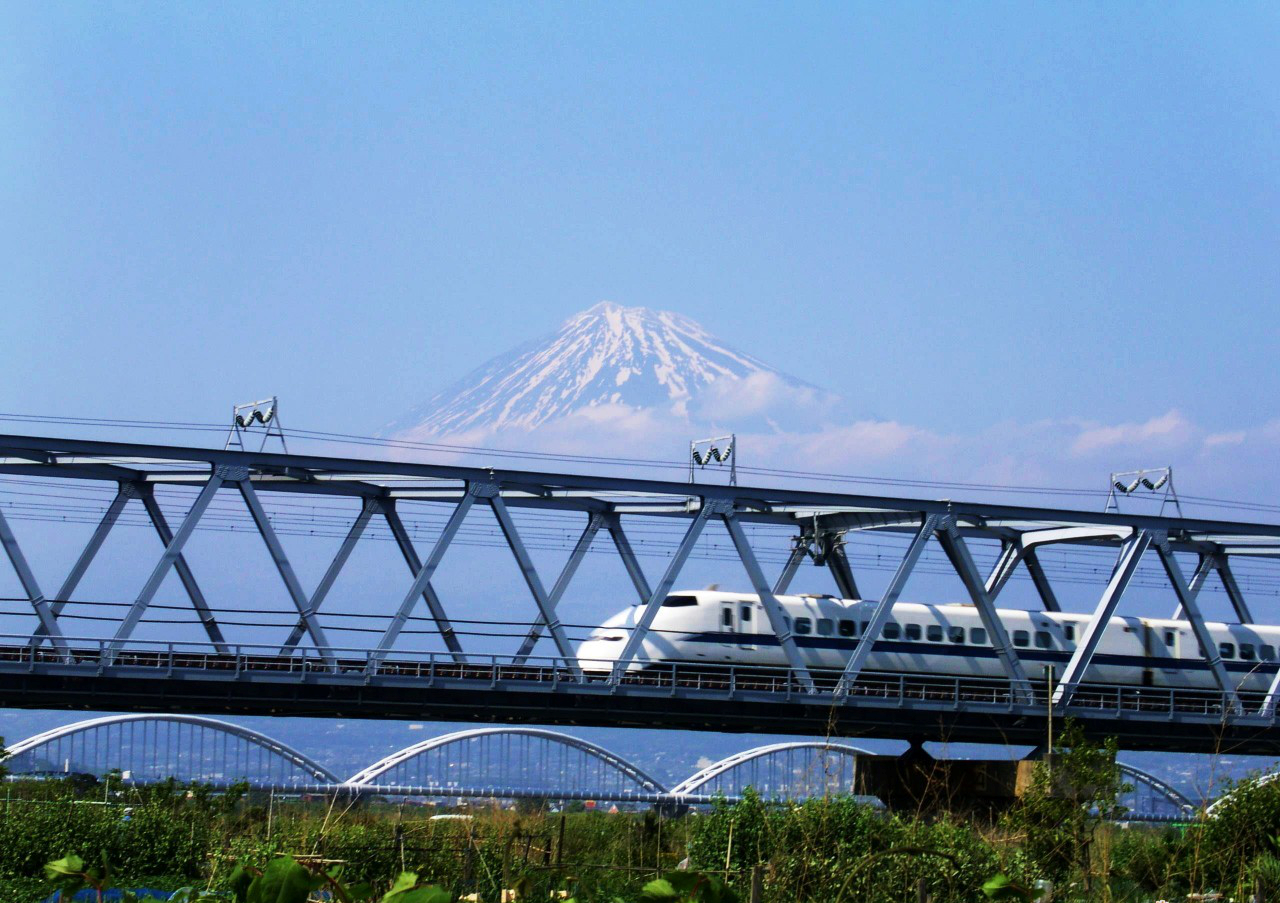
494,762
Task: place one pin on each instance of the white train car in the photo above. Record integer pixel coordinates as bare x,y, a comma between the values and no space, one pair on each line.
714,628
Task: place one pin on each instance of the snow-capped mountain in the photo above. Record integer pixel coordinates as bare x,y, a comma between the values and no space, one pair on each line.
607,357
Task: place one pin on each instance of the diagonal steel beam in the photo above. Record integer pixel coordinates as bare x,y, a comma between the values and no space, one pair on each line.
429,596
1126,564
540,598
772,607
30,586
639,633
613,522
422,578
183,570
1041,580
368,507
594,522
1011,555
799,551
1204,567
287,575
1192,610
109,518
838,562
1223,566
961,559
884,609
171,552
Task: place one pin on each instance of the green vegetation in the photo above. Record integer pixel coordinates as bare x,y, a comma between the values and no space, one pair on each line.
252,849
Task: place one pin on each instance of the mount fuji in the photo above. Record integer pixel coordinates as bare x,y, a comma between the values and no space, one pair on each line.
611,363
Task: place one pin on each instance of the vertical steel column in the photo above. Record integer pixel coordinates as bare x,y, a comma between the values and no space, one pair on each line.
109,518
296,593
867,640
1204,567
772,607
170,554
407,551
367,509
650,610
798,553
958,552
594,522
1126,564
30,586
422,577
532,580
1192,610
211,628
614,524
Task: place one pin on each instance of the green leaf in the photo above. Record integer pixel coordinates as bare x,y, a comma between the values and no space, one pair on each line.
1002,887
67,865
282,881
659,890
405,881
239,883
428,894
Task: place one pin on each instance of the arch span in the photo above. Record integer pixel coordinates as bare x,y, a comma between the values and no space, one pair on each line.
164,745
786,755
1175,798
523,760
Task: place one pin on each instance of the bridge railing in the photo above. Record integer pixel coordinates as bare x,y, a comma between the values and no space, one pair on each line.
556,673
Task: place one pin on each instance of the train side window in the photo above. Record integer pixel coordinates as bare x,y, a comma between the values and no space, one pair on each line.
786,620
746,614
726,617
862,628
978,636
956,634
1267,653
846,628
891,630
1169,637
1247,652
824,626
804,626
1021,638
913,631
934,633
1043,640
1227,650
1069,631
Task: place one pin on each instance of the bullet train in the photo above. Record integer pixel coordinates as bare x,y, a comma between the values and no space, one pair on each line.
717,629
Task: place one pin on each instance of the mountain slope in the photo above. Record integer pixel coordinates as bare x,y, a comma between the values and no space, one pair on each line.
606,356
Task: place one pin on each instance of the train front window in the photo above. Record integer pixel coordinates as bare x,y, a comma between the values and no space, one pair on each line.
913,631
825,627
934,633
679,601
804,626
1021,638
846,628
892,631
1247,652
1043,640
1227,650
955,634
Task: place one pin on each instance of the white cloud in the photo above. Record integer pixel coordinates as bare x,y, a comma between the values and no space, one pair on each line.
1214,440
1169,429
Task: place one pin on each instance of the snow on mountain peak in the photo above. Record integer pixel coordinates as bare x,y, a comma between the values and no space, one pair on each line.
606,356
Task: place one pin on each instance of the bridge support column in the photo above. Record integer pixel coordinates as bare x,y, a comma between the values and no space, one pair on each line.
613,522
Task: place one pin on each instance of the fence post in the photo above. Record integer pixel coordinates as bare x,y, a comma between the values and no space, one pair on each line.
757,884
922,891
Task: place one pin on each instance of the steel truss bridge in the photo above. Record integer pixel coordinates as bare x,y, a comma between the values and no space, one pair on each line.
489,763
303,673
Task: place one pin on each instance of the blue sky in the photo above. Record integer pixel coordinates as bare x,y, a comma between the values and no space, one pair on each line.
951,215
969,219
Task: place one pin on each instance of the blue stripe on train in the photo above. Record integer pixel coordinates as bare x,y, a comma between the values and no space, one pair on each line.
1047,656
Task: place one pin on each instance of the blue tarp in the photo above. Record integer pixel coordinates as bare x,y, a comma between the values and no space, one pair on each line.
88,895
